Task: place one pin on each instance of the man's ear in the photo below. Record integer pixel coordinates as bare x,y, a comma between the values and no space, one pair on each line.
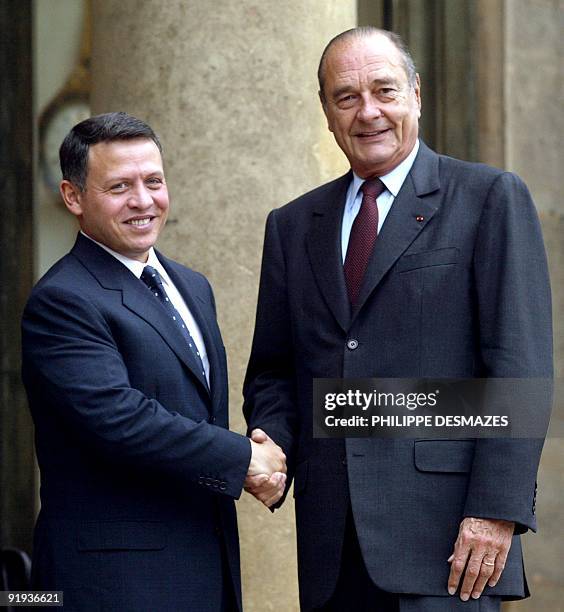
324,107
418,92
71,195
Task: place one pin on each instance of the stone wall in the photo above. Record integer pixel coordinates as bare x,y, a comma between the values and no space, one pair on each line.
534,54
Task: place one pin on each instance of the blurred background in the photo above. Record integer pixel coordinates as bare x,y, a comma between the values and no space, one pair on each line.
230,88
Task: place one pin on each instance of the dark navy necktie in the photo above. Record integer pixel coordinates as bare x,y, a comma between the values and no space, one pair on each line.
153,280
362,238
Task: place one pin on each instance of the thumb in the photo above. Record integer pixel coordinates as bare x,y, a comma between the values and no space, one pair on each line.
258,435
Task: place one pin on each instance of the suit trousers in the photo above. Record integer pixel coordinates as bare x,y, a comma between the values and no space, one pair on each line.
356,592
228,600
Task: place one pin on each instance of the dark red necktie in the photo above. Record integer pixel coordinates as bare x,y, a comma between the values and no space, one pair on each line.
362,238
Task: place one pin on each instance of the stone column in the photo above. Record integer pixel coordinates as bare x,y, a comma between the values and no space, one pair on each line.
231,89
534,48
17,465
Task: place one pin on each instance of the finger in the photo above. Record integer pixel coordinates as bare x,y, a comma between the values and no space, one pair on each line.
273,498
264,496
270,489
270,502
457,565
282,481
254,482
471,574
266,486
500,561
277,493
276,483
485,572
258,435
279,459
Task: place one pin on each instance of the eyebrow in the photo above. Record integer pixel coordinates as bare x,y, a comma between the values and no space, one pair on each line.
348,88
123,178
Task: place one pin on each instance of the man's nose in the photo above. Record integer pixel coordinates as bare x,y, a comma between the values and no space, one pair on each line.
141,197
369,109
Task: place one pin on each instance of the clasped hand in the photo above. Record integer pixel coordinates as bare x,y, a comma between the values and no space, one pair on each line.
266,478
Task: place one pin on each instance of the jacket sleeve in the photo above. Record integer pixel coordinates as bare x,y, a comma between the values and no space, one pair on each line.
515,339
73,368
269,389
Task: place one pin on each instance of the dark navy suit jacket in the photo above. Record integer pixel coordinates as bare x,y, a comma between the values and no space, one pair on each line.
457,287
138,469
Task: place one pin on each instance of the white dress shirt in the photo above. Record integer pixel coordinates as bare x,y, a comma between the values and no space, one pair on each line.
136,267
392,181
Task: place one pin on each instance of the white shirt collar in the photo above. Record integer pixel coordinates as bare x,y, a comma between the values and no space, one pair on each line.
134,266
394,179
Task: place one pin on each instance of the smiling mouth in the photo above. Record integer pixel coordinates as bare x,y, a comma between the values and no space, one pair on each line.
140,222
372,134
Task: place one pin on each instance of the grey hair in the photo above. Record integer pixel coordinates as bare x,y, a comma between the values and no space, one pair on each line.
366,32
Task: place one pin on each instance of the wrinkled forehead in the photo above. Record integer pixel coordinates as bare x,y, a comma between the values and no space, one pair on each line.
357,56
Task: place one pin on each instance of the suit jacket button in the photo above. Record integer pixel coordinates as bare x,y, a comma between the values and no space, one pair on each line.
211,419
352,344
201,480
222,486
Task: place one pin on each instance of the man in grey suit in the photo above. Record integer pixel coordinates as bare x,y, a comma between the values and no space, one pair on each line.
412,265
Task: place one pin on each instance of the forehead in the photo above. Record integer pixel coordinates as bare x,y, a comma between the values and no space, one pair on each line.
363,59
123,155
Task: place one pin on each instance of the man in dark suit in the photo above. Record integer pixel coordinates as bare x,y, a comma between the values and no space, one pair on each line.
412,265
126,376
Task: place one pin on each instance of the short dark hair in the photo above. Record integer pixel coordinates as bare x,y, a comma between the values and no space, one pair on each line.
366,32
73,153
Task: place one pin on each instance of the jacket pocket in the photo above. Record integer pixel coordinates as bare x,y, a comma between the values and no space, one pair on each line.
427,259
444,455
122,535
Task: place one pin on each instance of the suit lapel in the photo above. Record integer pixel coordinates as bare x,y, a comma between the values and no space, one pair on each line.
137,299
205,318
113,275
409,214
323,245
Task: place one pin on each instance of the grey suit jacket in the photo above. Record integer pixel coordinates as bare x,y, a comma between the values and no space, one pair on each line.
457,286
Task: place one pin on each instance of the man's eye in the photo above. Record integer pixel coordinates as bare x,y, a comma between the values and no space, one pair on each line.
119,187
154,182
346,101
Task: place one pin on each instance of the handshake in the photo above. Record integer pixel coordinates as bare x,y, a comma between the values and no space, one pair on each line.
266,478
